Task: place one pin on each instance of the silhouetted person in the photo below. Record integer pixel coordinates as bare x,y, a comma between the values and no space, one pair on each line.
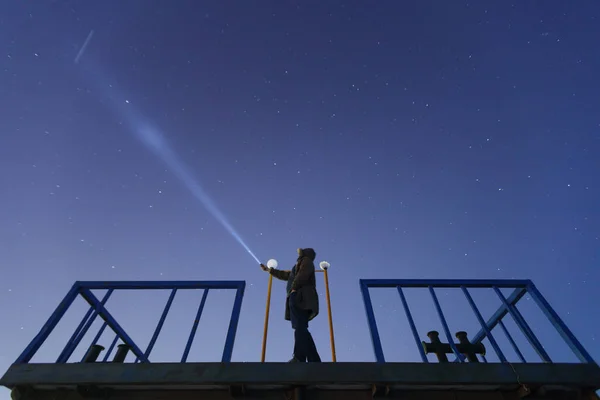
302,303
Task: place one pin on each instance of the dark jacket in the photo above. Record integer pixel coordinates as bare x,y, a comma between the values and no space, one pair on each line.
301,278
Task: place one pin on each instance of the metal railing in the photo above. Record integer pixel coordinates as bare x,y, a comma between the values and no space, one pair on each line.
97,308
465,348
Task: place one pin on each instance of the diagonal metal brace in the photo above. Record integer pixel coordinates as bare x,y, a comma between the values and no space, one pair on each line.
114,325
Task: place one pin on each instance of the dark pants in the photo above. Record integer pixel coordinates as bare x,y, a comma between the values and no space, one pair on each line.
304,345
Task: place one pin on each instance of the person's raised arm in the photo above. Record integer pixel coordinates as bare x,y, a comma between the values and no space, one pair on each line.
279,274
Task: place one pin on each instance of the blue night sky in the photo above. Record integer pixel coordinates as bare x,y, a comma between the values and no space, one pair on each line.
400,139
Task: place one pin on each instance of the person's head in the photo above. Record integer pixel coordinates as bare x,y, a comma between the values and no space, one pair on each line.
308,252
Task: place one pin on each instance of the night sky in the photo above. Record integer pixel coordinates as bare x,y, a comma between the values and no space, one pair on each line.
400,139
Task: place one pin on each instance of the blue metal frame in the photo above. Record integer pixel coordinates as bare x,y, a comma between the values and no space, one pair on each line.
413,327
160,324
80,333
445,324
558,323
188,346
508,306
97,308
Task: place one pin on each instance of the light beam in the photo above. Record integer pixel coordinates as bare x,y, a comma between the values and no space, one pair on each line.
152,137
84,46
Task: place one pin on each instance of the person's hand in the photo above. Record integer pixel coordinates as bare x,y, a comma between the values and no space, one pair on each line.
264,267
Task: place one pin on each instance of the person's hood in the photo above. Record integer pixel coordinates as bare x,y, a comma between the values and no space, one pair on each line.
308,252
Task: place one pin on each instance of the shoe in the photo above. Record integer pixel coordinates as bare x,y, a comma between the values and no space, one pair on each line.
294,360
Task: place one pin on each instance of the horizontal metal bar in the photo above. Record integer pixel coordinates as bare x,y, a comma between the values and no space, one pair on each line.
445,283
131,285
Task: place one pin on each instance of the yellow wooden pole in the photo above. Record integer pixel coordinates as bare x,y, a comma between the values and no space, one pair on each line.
264,341
331,337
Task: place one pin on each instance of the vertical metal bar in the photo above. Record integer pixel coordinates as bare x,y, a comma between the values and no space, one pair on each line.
559,325
159,326
49,326
263,352
524,327
188,346
331,337
512,342
411,322
114,325
233,323
70,348
111,348
375,339
445,325
75,335
484,326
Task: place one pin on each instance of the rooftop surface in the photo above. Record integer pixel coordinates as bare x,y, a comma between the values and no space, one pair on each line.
263,380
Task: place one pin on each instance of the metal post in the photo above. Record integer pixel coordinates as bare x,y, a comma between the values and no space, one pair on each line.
445,325
484,326
72,345
111,348
99,334
92,353
75,335
469,349
233,322
121,353
49,326
266,327
411,322
161,322
524,327
434,338
559,325
112,323
188,346
491,323
331,337
375,339
512,341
